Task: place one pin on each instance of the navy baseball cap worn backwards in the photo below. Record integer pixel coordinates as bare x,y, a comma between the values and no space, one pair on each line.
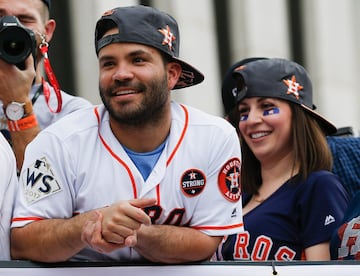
148,26
229,85
279,78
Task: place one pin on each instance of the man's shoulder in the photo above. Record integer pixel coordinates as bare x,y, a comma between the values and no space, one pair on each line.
71,103
73,123
197,117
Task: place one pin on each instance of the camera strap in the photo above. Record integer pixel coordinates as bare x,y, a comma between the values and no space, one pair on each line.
52,79
36,95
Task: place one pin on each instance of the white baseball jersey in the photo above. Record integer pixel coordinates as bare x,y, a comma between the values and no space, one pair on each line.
77,165
43,114
8,186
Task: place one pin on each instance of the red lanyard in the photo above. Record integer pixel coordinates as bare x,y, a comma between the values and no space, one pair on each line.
52,79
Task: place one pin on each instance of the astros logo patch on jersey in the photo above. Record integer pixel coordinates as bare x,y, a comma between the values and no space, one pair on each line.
39,181
193,182
229,180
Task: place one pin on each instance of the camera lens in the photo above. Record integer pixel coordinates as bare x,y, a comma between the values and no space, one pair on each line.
14,48
15,45
16,41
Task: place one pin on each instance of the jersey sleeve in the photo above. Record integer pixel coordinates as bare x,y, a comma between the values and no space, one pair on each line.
322,207
45,181
219,210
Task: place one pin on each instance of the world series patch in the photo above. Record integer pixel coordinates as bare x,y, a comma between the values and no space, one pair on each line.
39,181
193,182
229,180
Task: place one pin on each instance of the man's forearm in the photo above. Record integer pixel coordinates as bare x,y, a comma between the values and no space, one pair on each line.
174,244
19,140
50,240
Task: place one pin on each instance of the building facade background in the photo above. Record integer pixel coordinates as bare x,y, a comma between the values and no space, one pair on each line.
322,35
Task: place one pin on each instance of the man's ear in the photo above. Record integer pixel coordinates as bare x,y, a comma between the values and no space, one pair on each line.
174,72
49,29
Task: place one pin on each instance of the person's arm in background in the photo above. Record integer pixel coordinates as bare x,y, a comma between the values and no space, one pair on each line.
20,139
15,85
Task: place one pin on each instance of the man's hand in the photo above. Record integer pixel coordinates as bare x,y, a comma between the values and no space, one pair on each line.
115,226
15,84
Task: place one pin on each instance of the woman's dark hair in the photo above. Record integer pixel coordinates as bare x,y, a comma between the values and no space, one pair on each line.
311,151
233,117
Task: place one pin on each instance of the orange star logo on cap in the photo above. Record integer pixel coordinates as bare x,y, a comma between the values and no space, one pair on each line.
168,37
241,67
293,87
109,12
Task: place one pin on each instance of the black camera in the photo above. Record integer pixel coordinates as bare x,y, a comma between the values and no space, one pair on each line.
16,41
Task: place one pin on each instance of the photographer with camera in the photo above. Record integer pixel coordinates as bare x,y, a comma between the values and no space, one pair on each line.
28,103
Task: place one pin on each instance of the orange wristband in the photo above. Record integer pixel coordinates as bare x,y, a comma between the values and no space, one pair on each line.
23,124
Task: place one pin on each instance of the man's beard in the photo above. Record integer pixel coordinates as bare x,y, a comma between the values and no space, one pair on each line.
150,109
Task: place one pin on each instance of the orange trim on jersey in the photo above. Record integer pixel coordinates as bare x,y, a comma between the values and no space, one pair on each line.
26,218
303,256
158,194
171,156
115,156
181,136
218,227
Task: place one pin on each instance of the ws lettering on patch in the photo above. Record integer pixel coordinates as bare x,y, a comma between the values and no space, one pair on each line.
39,181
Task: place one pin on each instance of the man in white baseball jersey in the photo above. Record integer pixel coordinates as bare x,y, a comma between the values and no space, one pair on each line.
8,186
140,177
